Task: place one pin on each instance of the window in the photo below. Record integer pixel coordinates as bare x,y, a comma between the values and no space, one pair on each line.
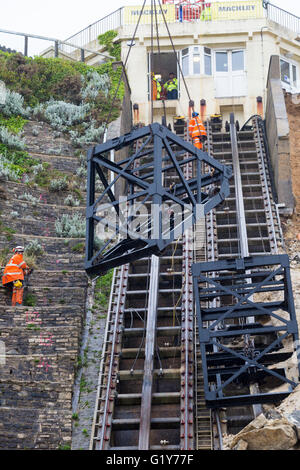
289,75
196,60
207,61
185,61
285,72
221,62
237,61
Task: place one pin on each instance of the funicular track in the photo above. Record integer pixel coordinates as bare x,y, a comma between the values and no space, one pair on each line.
146,383
171,413
246,224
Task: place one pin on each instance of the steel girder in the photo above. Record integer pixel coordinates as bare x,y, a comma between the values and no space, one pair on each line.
242,341
147,177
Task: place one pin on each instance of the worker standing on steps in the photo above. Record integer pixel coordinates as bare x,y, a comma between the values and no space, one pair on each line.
197,131
13,276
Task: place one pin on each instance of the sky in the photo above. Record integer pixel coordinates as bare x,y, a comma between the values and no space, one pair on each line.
61,18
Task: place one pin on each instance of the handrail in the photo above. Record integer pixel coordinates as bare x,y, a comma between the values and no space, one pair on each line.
95,22
57,43
282,17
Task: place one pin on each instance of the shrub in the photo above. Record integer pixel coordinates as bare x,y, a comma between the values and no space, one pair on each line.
58,185
61,115
95,83
71,201
33,249
28,197
14,124
91,135
11,140
14,105
81,172
38,169
7,170
14,214
70,226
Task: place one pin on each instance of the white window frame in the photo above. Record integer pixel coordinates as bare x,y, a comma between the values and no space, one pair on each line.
230,72
190,56
292,85
229,52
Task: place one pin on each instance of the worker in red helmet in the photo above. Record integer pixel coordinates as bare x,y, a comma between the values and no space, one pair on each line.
197,131
13,275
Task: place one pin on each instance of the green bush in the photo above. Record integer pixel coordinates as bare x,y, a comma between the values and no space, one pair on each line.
34,249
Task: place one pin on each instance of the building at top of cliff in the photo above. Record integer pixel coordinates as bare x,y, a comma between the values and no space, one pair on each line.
222,48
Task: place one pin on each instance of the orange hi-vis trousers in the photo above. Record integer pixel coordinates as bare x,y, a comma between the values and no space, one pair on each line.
17,296
197,143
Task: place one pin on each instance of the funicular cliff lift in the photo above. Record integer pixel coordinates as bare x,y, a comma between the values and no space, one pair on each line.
240,280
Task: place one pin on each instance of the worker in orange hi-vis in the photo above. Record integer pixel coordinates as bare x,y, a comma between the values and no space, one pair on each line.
197,131
13,276
156,88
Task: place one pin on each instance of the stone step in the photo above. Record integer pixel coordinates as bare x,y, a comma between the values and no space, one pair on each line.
54,316
63,163
58,278
20,394
67,262
13,190
41,138
51,245
49,279
47,296
33,428
39,211
33,225
20,341
39,368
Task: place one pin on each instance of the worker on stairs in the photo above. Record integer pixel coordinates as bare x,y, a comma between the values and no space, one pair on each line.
197,131
13,275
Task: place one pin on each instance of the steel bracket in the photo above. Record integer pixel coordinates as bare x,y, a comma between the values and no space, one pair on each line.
242,341
151,158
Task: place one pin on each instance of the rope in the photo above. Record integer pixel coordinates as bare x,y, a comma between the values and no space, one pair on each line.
125,63
159,55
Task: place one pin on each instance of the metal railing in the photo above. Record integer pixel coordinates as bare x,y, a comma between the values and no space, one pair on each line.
91,33
57,44
282,17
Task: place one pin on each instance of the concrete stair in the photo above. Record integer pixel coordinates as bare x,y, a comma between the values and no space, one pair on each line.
41,341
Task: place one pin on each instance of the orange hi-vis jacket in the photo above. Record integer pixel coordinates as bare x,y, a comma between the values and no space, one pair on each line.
14,269
196,128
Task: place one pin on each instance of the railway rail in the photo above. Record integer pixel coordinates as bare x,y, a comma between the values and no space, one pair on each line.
150,392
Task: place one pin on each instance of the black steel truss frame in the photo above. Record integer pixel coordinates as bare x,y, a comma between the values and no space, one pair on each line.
239,284
168,151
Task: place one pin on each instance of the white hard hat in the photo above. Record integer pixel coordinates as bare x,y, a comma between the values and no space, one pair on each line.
19,249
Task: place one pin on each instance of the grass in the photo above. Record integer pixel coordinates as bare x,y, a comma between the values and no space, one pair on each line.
79,248
30,261
30,300
102,290
4,256
7,231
